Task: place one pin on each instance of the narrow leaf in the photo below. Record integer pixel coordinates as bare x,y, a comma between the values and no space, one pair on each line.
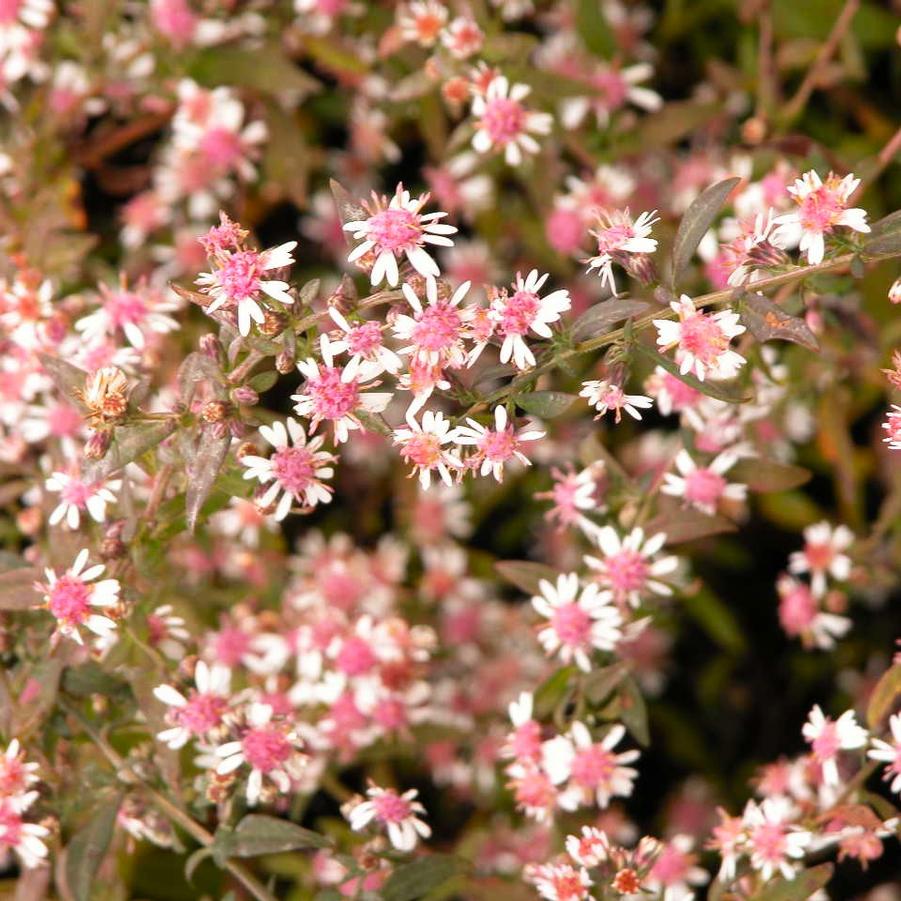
68,379
349,209
634,711
546,404
553,691
202,470
802,887
768,321
129,443
768,475
88,847
258,834
415,880
196,367
730,392
885,696
682,524
697,219
525,574
599,684
598,319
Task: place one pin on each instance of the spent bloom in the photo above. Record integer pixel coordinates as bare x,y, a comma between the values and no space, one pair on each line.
297,470
398,815
617,237
827,737
580,620
701,340
398,228
498,446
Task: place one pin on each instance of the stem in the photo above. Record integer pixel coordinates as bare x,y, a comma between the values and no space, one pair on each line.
239,373
158,491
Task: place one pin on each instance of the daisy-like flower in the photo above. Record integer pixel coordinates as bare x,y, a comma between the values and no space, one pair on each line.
604,395
581,620
17,774
676,870
268,747
335,393
628,569
701,340
201,712
298,468
504,123
363,341
25,839
573,493
821,208
105,393
239,279
422,444
524,742
77,495
166,631
827,737
889,752
72,597
437,330
421,21
892,426
498,446
774,842
398,228
523,311
559,881
397,814
800,615
759,245
613,88
534,793
703,487
462,37
618,236
591,848
592,772
823,555
671,393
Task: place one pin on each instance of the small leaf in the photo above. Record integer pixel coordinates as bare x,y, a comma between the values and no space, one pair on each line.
768,475
598,319
68,379
196,367
194,861
697,219
525,574
258,834
553,691
730,392
263,381
415,880
202,470
634,712
265,68
129,443
885,236
681,524
88,847
17,590
885,696
349,209
593,28
805,884
309,292
768,321
545,404
599,684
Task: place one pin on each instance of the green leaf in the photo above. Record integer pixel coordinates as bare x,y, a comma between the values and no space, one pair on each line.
884,697
258,834
768,322
681,524
349,208
593,28
545,404
599,684
598,319
730,392
265,68
697,219
634,712
263,381
90,678
553,691
415,880
17,590
768,475
196,367
201,471
88,847
805,884
129,443
68,379
525,574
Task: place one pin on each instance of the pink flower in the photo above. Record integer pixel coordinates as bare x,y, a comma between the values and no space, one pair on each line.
397,228
823,554
774,842
504,123
589,849
671,393
889,752
703,487
397,814
604,395
523,311
701,340
200,713
617,236
892,426
296,470
363,342
422,444
800,614
16,774
559,882
676,870
580,620
572,494
821,208
827,737
437,330
462,37
534,793
524,742
498,446
421,21
76,495
612,88
136,313
26,839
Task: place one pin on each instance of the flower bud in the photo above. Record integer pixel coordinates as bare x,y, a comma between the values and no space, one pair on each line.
245,395
273,323
215,411
285,362
97,445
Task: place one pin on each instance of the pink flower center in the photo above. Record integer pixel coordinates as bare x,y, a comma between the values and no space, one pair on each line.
525,741
9,11
355,657
202,713
341,588
820,210
572,625
10,827
593,766
70,600
365,339
681,395
422,450
819,556
613,238
826,745
704,487
174,19
768,841
239,275
499,446
394,230
565,230
231,645
534,790
63,420
437,328
265,748
391,807
294,468
519,312
332,397
612,88
12,775
391,713
797,610
77,493
701,336
568,885
221,147
670,867
626,571
504,120
125,308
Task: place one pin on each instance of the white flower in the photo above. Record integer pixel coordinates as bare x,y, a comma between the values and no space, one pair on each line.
604,395
498,446
422,445
773,840
396,814
823,554
77,495
26,839
363,342
436,330
827,737
617,235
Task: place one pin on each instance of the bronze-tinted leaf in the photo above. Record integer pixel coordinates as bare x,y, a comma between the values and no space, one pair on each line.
768,321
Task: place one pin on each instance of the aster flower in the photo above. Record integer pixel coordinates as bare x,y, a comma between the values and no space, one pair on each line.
397,814
25,839
423,445
703,487
137,313
590,848
605,395
363,342
533,791
675,870
239,279
524,742
827,737
800,614
200,713
72,597
701,340
776,845
498,446
821,208
437,330
398,228
337,393
503,122
889,752
17,775
421,21
77,495
559,881
296,470
613,87
462,37
618,236
591,771
823,554
166,631
628,569
523,311
573,493
892,426
759,245
580,620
